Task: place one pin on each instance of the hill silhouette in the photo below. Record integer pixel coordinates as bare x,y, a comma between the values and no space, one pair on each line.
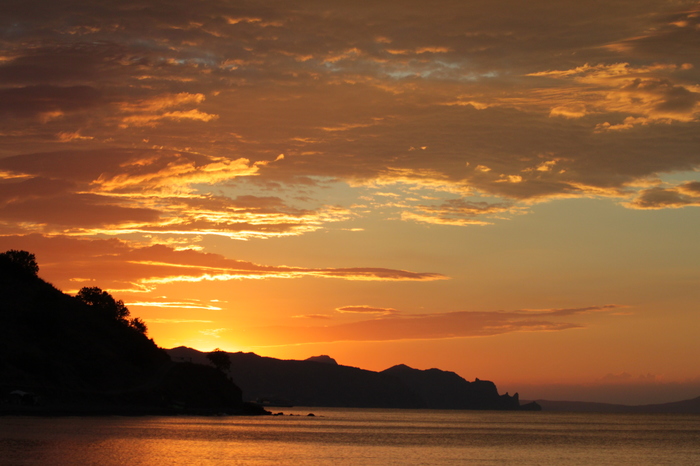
82,354
321,381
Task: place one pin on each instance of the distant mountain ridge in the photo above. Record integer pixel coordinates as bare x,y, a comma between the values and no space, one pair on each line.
691,406
321,381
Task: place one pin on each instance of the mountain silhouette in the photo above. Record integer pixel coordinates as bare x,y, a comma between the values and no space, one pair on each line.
320,381
309,383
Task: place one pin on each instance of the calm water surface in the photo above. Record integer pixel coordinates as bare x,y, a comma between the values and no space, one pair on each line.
355,437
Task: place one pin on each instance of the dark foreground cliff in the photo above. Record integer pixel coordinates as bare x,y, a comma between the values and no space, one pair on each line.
63,355
320,381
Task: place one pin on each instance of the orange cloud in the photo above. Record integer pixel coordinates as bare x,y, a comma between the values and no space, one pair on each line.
175,305
366,310
172,173
116,265
149,112
641,91
327,90
147,192
391,327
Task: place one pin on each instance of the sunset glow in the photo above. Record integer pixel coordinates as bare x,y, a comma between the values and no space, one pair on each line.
508,190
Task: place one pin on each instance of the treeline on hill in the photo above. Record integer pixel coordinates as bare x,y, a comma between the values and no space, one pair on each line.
86,353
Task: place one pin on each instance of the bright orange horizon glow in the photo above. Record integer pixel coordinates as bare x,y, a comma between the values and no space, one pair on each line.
508,190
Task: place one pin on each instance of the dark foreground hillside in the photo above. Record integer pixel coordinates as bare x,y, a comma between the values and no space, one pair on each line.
63,354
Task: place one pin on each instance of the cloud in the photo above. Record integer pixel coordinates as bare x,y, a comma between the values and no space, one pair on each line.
48,102
639,91
116,265
177,305
149,112
177,321
151,192
393,326
663,198
221,90
366,310
691,187
243,271
622,377
457,212
214,332
84,211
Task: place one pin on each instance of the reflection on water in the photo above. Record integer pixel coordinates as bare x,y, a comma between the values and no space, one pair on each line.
354,437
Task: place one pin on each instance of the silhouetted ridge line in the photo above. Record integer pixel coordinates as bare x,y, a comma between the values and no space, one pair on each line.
317,382
323,359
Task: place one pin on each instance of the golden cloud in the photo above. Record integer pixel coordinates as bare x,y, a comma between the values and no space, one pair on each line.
646,92
151,111
157,193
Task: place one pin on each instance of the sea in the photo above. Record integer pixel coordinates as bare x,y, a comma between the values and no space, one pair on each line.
333,437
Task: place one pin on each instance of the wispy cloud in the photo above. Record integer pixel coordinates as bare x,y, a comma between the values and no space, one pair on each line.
383,311
176,305
177,321
117,265
392,326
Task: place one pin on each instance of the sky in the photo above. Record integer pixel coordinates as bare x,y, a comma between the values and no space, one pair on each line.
508,190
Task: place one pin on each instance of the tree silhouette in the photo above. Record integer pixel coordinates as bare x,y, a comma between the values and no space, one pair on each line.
104,303
220,359
139,325
22,260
